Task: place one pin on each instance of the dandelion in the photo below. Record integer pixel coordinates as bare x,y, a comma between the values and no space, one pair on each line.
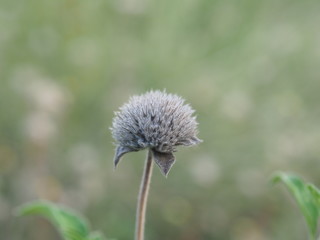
159,122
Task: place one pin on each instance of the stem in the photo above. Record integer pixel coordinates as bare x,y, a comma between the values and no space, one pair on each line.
143,197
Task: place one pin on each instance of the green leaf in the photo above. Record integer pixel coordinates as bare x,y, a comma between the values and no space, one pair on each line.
316,194
70,225
304,197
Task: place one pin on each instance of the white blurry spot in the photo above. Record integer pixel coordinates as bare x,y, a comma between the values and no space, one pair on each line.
205,170
247,229
289,146
85,161
84,158
236,105
250,182
40,128
84,52
47,96
283,38
286,147
44,93
130,6
276,40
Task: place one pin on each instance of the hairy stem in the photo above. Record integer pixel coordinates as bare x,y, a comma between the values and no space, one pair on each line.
143,197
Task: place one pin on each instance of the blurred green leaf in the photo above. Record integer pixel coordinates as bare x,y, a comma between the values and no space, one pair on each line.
316,194
305,195
70,224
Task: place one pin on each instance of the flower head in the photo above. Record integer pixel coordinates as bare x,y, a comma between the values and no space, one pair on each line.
154,120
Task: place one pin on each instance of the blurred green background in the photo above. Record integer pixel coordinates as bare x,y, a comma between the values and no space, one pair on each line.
251,69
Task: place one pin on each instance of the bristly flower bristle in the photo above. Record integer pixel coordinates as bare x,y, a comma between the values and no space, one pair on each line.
154,120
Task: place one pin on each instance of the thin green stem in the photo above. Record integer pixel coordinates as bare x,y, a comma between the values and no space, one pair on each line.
143,197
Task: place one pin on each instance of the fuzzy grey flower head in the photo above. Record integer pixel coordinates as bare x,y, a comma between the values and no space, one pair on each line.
154,120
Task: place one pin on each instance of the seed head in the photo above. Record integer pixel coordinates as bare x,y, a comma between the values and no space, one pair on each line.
154,120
